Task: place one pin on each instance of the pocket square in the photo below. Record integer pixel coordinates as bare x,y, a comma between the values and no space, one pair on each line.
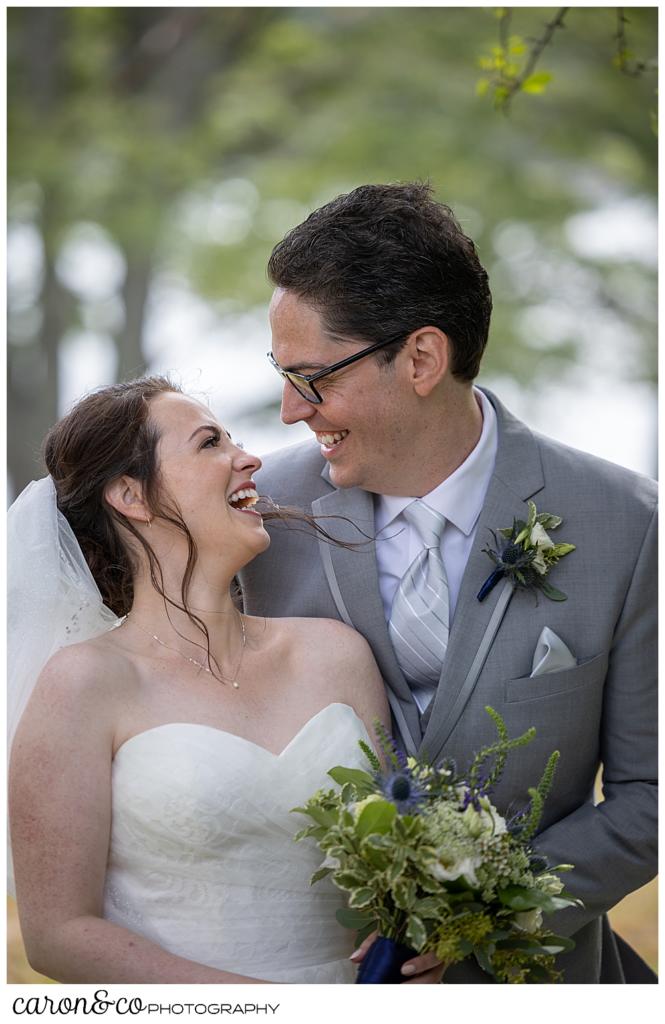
550,655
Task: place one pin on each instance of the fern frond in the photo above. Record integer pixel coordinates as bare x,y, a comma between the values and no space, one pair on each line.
538,797
370,755
533,815
387,745
501,729
545,784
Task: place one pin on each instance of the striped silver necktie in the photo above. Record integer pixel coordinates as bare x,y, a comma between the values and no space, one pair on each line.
419,616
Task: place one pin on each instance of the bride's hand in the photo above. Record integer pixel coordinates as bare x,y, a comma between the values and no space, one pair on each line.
421,970
360,953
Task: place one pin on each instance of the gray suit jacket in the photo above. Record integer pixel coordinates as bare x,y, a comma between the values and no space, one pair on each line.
602,711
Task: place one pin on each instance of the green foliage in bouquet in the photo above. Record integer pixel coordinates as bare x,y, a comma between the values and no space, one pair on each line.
427,859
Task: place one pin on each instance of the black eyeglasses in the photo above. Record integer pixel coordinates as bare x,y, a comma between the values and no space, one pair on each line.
304,383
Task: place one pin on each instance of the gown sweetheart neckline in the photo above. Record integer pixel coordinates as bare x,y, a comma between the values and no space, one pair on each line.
236,736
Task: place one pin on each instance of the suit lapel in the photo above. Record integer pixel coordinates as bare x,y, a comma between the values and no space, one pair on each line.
353,579
517,476
354,583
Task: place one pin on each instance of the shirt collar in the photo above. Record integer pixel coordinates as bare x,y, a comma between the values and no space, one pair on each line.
460,496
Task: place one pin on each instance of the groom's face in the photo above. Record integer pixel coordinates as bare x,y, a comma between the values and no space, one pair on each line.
362,425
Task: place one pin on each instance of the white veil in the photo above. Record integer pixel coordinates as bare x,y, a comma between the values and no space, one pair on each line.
52,598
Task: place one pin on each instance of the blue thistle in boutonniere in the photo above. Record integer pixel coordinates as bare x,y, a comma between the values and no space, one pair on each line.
526,554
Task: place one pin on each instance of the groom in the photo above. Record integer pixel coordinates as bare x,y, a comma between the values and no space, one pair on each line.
379,320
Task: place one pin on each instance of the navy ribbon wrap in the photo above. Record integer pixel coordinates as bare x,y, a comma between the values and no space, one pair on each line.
490,583
383,962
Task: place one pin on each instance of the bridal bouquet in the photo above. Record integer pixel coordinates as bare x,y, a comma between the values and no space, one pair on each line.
428,861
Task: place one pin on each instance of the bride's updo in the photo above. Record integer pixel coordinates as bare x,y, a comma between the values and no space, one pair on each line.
106,435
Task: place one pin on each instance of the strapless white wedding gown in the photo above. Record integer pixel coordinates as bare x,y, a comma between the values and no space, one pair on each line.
202,859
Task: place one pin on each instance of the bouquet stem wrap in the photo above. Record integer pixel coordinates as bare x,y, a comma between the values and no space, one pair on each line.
383,962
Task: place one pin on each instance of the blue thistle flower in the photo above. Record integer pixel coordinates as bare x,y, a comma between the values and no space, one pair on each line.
403,790
510,558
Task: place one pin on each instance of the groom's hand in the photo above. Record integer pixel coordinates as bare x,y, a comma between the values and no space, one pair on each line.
421,970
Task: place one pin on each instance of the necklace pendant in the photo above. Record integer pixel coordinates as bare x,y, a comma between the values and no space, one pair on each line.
193,661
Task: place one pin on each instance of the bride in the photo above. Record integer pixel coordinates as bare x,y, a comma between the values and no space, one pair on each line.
156,762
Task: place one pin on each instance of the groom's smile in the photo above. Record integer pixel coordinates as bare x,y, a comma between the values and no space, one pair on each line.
330,442
360,423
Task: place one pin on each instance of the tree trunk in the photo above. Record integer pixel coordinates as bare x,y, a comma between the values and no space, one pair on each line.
131,360
32,372
32,385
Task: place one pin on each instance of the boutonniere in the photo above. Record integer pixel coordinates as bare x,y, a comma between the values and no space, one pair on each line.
527,554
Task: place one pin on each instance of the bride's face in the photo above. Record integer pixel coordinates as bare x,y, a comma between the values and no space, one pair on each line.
200,469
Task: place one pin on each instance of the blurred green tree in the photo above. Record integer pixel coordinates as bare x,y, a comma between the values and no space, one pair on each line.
187,140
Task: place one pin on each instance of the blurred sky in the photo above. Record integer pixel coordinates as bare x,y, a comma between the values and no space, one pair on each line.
596,406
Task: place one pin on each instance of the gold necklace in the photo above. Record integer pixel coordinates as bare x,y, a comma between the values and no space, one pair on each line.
234,682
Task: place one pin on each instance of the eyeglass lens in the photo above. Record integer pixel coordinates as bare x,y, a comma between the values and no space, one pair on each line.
302,386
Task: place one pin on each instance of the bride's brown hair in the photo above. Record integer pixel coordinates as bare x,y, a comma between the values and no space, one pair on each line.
109,434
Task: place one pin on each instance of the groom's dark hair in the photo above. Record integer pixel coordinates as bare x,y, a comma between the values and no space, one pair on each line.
383,261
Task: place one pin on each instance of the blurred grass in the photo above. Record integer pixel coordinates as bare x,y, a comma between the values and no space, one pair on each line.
635,918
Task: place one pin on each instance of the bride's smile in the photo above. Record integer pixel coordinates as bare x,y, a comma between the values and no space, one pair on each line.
208,478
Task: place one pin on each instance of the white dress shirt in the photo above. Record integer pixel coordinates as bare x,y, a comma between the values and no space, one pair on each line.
459,498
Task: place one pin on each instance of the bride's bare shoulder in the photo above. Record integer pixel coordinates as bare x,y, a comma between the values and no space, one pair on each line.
305,637
96,671
338,654
334,661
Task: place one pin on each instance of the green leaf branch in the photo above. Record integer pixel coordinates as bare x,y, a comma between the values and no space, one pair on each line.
624,58
511,65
